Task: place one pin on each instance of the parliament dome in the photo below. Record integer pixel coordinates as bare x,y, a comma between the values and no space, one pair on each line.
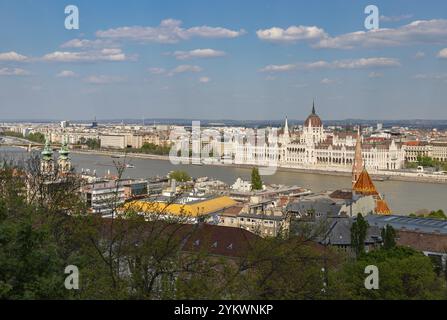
313,119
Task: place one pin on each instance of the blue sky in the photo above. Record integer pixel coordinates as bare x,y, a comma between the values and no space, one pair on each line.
249,59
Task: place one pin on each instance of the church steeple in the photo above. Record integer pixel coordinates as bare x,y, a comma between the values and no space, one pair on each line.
357,166
47,162
285,138
64,159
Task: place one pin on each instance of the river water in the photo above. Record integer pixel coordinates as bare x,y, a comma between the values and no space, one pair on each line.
403,197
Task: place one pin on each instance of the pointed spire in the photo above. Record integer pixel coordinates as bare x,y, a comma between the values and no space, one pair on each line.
357,166
47,152
64,151
313,106
285,139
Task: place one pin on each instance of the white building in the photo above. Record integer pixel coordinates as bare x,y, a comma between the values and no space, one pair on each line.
315,148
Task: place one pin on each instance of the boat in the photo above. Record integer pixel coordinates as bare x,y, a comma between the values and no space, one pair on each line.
115,156
130,166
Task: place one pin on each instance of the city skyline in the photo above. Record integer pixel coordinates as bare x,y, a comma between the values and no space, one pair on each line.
227,60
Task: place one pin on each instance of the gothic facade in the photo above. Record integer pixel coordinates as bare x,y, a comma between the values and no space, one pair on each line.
313,147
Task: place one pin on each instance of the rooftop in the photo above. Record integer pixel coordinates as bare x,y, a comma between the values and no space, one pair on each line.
425,225
194,208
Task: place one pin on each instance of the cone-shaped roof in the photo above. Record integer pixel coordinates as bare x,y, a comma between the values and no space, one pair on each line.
382,207
364,185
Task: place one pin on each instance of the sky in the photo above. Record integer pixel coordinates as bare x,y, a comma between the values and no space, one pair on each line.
232,59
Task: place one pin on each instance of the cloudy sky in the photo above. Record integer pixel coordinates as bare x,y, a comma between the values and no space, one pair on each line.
223,60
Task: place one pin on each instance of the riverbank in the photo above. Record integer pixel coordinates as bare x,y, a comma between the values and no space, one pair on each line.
381,176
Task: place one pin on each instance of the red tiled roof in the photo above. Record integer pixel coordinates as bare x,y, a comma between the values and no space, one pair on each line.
423,241
232,211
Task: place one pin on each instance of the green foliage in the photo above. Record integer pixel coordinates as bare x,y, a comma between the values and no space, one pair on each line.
430,162
12,134
125,258
403,274
359,231
389,237
439,214
36,137
256,182
150,148
30,264
180,176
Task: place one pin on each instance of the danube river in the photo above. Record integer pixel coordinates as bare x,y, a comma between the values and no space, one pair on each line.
403,197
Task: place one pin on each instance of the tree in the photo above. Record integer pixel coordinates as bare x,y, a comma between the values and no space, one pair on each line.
388,237
180,176
359,231
437,215
256,182
32,259
404,274
36,137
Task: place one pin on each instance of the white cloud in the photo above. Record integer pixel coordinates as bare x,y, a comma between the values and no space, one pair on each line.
198,53
13,72
362,63
417,32
279,68
84,43
66,74
104,79
365,63
443,54
169,31
107,54
204,79
291,34
12,56
398,18
184,68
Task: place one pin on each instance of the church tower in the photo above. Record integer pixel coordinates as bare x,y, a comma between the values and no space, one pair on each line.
285,139
47,161
357,165
64,162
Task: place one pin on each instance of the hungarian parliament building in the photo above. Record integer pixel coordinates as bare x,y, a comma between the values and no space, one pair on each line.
313,147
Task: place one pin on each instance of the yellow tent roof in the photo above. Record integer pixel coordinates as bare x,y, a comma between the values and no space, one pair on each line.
194,209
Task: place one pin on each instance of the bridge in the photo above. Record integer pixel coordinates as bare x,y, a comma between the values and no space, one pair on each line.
29,145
